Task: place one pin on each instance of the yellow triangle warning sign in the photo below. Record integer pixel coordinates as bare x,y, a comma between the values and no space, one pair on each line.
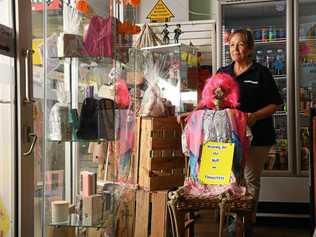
160,13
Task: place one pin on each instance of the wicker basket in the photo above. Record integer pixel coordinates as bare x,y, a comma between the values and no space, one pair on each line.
181,201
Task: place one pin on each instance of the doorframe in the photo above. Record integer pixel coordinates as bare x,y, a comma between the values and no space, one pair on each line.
25,163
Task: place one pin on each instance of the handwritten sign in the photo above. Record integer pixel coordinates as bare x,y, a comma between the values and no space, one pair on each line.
160,13
216,163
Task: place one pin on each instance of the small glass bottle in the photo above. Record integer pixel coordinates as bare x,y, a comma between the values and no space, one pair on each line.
281,33
271,33
260,57
270,57
264,35
227,58
279,63
257,34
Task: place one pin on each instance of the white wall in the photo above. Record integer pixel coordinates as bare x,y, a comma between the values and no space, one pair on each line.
179,8
6,123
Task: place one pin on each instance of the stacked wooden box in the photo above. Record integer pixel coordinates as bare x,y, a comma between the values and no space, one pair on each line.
160,168
161,162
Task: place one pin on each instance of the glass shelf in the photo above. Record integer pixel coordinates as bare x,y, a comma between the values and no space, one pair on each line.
277,41
307,39
78,140
257,42
107,223
169,47
280,113
279,77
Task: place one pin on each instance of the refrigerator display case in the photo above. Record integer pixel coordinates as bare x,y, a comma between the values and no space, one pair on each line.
277,26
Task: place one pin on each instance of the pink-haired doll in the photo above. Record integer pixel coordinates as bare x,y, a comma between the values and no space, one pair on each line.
216,119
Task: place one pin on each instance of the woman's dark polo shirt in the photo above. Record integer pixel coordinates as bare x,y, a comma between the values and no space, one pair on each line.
257,90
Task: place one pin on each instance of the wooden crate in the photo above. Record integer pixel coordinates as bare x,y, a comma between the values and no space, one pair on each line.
125,217
151,214
61,231
161,162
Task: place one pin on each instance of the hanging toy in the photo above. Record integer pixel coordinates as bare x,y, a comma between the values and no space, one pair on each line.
82,6
177,33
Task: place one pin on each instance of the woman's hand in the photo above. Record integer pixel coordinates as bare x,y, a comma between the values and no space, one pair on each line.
252,119
263,113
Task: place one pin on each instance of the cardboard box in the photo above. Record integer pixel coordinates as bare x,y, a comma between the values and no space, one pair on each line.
69,45
61,231
92,210
88,183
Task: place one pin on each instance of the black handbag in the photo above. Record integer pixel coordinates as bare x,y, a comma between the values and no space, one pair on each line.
96,119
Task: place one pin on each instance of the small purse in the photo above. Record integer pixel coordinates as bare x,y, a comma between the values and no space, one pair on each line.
96,119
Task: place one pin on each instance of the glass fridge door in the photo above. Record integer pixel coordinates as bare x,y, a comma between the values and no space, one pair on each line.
269,27
305,79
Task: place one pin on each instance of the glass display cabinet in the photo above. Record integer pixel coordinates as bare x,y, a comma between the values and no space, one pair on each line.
86,117
90,86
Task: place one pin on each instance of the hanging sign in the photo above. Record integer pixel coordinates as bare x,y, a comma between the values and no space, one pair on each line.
216,163
37,57
160,13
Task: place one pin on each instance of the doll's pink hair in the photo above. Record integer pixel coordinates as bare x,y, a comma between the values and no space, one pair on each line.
122,97
228,85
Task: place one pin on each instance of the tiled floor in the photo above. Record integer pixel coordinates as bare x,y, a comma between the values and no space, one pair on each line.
207,227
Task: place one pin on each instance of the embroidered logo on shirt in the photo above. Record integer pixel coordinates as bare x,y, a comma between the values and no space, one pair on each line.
251,82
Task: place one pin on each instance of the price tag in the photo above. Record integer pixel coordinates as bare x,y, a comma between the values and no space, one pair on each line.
216,163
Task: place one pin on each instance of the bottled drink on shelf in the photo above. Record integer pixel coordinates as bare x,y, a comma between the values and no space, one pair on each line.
270,57
280,33
227,58
264,35
257,34
271,34
279,63
260,57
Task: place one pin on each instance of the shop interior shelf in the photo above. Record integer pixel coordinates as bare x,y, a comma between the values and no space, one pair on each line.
269,42
280,113
276,41
311,39
168,47
279,77
107,223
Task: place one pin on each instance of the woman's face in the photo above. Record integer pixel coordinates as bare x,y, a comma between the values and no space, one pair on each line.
238,48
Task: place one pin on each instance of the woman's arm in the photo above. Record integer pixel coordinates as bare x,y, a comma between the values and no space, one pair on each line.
262,113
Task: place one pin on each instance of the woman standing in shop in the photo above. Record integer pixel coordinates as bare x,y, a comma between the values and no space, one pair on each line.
259,97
